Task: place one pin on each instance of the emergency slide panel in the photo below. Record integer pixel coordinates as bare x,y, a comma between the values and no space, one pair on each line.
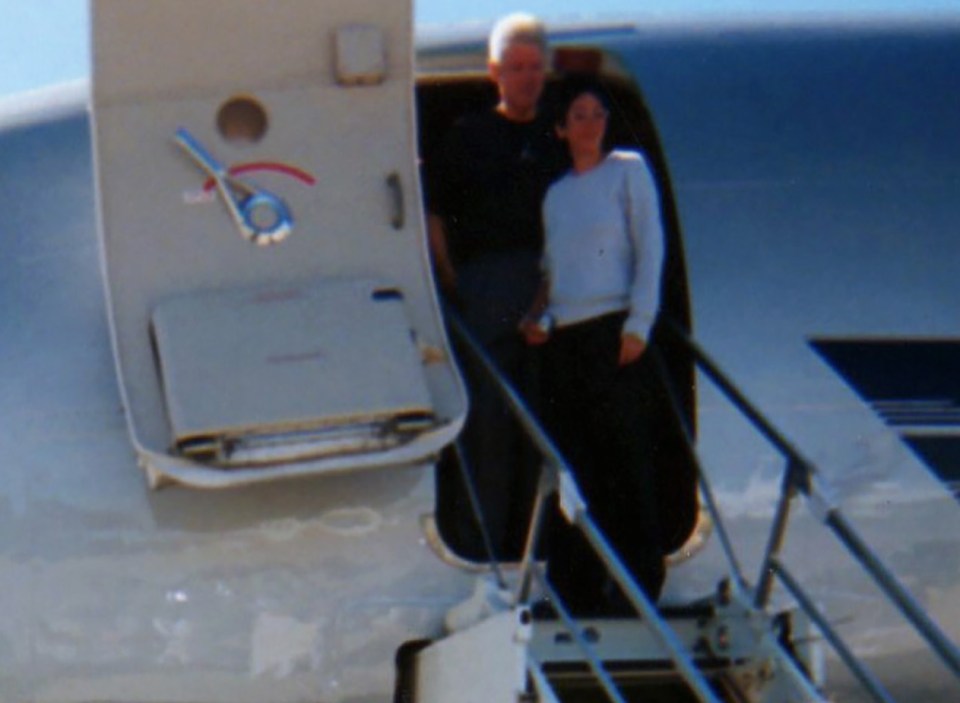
268,375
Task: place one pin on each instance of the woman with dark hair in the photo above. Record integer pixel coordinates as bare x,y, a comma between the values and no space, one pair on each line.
602,263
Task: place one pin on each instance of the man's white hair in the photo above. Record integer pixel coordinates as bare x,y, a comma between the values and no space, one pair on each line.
516,28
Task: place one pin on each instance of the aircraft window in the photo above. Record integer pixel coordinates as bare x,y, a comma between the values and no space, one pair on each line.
242,120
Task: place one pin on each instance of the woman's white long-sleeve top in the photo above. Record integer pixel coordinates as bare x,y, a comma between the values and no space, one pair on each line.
604,243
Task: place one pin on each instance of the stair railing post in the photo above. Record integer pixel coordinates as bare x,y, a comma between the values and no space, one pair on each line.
778,530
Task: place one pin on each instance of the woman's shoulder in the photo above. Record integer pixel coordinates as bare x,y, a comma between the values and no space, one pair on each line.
625,155
632,165
627,158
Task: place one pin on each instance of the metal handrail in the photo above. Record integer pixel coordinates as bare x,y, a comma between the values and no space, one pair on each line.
555,467
863,674
901,597
646,608
477,509
802,476
706,490
588,650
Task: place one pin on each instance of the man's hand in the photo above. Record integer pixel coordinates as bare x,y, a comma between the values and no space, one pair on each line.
631,348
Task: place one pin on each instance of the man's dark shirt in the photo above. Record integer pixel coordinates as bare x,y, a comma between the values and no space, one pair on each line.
488,181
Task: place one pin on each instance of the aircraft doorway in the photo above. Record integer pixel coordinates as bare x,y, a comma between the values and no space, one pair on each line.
441,100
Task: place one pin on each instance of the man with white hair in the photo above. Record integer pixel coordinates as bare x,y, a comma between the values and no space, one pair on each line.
485,188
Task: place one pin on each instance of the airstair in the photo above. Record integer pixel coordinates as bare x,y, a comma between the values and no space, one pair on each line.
730,647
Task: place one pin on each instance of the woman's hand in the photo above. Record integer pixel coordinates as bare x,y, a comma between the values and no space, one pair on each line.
533,332
535,325
631,348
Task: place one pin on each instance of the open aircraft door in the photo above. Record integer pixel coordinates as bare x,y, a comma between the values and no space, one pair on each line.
269,288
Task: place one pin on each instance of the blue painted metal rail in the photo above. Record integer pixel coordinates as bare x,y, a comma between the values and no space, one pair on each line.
555,472
801,476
